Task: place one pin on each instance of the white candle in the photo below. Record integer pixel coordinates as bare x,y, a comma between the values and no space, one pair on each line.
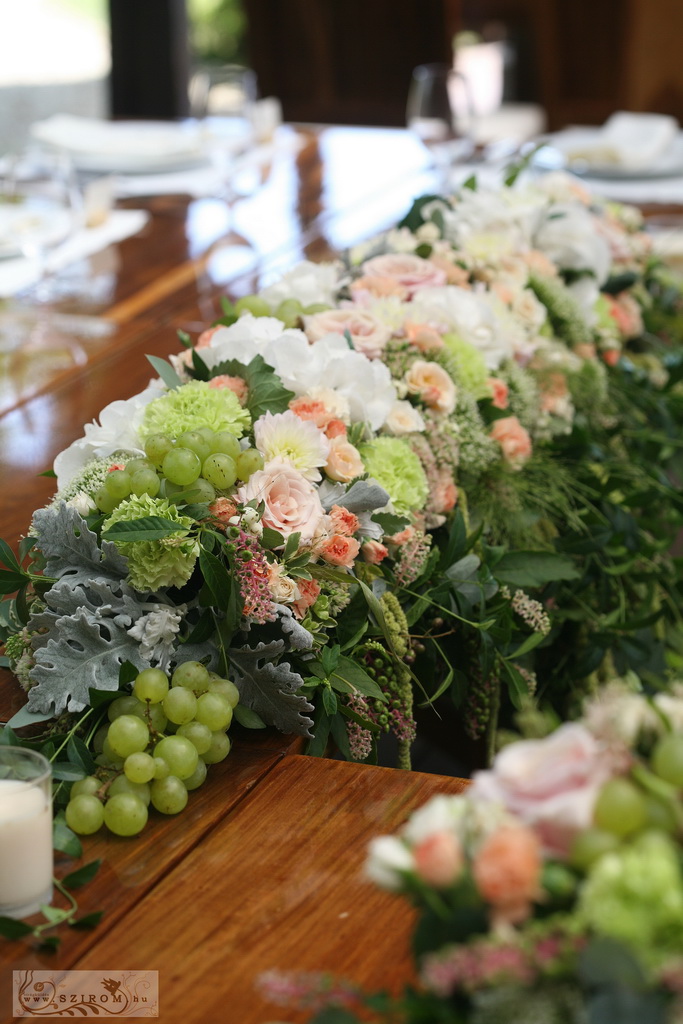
25,847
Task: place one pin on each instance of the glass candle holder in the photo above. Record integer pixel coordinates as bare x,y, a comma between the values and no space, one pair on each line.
26,857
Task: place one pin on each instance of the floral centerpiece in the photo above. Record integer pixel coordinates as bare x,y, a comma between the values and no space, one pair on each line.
552,890
442,468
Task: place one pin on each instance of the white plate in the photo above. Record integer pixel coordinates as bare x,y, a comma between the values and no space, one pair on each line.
33,224
124,147
554,156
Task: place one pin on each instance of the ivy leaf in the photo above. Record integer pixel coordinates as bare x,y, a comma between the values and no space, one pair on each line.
11,929
269,688
82,875
88,920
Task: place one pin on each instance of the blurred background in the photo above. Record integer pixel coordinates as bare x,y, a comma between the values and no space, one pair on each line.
340,61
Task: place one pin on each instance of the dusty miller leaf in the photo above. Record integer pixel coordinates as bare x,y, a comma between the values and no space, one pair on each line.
360,497
270,689
296,637
87,655
71,548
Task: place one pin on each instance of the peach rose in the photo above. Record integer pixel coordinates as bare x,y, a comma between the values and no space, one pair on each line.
439,859
550,784
513,439
343,462
412,272
235,384
434,386
283,588
500,392
507,871
373,552
310,592
455,274
291,502
339,550
403,537
343,521
364,289
311,409
335,428
223,509
422,336
368,334
404,418
204,339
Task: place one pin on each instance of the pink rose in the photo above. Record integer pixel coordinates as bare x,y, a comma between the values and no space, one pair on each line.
343,462
439,859
434,386
292,504
339,550
409,270
550,784
513,439
368,334
374,552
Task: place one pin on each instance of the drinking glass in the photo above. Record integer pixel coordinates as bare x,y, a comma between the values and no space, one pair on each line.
222,98
439,111
26,856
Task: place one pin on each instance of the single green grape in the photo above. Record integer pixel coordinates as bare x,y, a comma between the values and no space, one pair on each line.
199,735
181,466
151,684
169,795
589,845
201,491
153,716
118,483
109,757
105,501
225,443
248,462
139,767
196,443
180,705
198,776
127,734
660,814
127,705
214,710
667,758
135,465
289,312
219,749
253,304
89,785
179,754
192,675
84,814
207,433
125,814
619,808
122,784
145,481
226,687
220,470
157,447
161,769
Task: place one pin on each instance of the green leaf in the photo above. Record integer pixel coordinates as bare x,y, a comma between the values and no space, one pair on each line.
291,546
8,738
88,920
7,556
63,839
470,183
166,372
518,688
329,701
11,581
216,577
78,754
201,370
11,929
82,875
321,733
528,645
53,914
49,944
350,673
534,568
184,338
267,393
248,718
49,473
271,539
389,522
64,771
340,735
145,528
25,717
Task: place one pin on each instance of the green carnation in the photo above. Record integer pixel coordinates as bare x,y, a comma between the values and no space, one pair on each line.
470,368
167,562
192,406
635,894
398,470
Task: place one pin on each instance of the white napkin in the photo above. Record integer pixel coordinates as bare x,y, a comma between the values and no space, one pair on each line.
629,141
20,273
144,140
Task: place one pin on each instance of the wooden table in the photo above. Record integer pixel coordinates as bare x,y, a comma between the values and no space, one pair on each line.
262,870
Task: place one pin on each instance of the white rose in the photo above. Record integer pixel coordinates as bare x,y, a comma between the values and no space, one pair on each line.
308,282
568,236
404,418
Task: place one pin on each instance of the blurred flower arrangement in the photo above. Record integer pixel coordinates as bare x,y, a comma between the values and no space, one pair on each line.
440,470
551,891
